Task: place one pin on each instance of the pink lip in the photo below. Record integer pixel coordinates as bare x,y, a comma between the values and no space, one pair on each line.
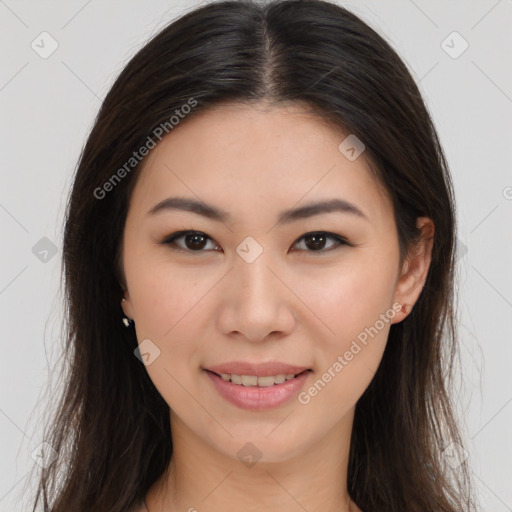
256,398
258,369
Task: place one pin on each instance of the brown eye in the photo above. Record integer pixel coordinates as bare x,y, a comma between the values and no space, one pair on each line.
316,241
195,241
192,241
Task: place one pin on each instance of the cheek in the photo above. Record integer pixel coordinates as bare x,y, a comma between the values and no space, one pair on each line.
347,356
164,294
354,304
168,306
173,307
347,297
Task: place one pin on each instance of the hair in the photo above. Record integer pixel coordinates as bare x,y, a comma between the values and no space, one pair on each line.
111,428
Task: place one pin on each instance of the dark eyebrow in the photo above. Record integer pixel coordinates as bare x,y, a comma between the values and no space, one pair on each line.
285,217
319,207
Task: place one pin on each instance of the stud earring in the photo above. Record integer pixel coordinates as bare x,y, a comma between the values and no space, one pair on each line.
405,308
128,322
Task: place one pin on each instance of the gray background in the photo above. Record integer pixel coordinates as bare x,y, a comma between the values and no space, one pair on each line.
47,109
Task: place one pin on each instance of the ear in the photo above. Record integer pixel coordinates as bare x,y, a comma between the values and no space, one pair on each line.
127,306
414,269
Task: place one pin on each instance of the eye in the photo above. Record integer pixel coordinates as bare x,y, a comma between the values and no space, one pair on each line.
316,241
196,241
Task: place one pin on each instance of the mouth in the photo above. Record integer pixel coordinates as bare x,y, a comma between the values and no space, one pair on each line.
258,380
258,388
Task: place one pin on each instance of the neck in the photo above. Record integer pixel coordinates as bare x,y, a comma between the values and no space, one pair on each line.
199,477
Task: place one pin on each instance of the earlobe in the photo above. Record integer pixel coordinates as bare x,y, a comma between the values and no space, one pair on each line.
126,305
415,269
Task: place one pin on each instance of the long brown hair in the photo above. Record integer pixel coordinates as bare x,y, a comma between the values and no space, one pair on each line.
111,427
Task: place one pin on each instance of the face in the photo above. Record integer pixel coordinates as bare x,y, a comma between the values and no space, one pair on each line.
238,287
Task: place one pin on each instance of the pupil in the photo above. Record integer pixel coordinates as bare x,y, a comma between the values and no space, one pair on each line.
196,240
318,241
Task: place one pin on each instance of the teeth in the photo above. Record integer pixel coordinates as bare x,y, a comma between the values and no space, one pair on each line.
253,380
264,382
249,380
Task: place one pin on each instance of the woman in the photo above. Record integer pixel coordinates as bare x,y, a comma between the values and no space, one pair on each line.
259,254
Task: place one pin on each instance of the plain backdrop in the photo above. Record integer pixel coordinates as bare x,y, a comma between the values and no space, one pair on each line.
47,109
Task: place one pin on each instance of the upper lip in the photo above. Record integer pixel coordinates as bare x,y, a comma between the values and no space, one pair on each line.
259,369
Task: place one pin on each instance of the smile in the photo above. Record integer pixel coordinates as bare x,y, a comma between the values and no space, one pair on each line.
254,380
258,392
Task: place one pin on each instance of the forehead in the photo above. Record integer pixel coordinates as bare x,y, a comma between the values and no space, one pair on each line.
254,157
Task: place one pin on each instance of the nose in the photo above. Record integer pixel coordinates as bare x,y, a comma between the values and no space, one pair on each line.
257,304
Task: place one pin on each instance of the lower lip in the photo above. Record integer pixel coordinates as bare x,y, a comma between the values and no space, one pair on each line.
256,398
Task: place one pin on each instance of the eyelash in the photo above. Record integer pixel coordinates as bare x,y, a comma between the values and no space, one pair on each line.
170,241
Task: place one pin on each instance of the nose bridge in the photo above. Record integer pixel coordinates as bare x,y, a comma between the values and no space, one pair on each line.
258,303
256,281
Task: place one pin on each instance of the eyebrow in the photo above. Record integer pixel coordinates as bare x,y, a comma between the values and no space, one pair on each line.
285,217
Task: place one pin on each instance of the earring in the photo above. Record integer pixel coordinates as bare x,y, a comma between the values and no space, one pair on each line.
128,322
405,307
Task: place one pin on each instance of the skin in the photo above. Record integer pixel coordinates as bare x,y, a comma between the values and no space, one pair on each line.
292,305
